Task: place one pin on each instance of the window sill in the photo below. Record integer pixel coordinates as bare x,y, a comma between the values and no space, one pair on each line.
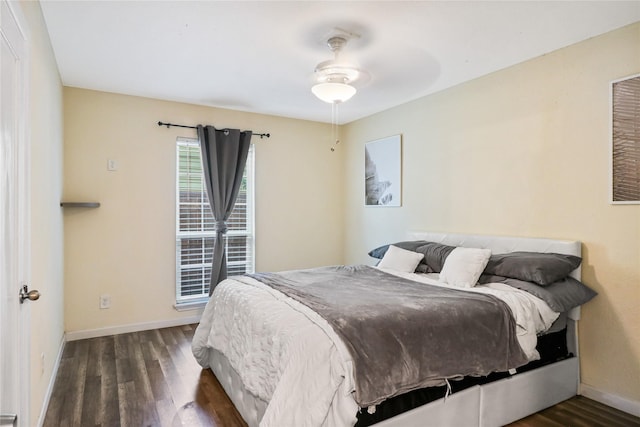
187,306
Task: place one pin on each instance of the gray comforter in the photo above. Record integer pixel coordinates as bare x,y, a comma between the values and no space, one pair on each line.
404,335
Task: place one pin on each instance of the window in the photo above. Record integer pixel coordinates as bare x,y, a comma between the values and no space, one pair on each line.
195,229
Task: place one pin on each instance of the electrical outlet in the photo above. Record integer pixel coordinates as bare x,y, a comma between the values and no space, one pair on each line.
112,165
105,301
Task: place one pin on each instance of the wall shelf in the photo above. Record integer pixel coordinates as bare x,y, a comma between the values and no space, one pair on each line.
80,204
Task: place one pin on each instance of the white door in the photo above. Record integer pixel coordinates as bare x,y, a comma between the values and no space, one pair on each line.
14,220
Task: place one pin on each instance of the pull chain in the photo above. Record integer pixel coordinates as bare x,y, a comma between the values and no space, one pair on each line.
335,129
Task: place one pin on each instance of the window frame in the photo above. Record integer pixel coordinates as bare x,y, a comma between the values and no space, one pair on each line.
248,233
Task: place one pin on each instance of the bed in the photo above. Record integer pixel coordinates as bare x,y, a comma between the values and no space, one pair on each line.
282,363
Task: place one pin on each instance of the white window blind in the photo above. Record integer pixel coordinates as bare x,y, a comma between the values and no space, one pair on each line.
195,227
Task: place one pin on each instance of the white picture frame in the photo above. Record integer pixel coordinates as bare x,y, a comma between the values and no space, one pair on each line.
383,172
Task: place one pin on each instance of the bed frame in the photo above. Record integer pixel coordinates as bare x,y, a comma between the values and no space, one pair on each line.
493,404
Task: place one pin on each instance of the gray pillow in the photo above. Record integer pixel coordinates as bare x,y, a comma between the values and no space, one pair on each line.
541,268
434,255
561,296
423,268
408,245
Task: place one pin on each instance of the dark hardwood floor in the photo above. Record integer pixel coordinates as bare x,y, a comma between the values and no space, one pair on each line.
138,379
578,412
150,378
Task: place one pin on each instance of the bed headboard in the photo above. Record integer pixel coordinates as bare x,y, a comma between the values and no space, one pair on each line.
504,244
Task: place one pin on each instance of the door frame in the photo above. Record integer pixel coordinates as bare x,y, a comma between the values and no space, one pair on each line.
22,179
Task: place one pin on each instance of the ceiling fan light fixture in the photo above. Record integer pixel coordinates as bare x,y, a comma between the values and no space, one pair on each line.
333,92
333,76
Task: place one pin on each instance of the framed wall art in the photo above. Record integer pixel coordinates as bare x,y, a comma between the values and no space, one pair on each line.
625,140
383,172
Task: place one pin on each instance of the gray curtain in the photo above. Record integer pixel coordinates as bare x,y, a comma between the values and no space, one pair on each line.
224,155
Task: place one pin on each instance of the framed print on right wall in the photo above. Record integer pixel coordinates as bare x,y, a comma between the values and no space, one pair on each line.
383,172
625,140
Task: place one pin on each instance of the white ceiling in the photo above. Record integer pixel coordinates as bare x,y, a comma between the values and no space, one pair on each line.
259,56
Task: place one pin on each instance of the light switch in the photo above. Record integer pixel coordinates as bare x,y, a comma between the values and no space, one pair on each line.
112,165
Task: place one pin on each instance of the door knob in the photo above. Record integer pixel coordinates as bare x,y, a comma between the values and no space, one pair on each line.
25,293
8,419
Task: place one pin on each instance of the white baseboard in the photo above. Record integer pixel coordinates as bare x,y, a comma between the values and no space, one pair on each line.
52,382
124,329
626,405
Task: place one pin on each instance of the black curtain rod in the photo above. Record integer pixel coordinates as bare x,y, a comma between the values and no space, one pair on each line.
261,135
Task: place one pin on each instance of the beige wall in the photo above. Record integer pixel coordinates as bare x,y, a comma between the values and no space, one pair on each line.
524,152
46,216
126,247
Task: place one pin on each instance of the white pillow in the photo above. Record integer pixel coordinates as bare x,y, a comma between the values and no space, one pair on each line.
400,259
464,266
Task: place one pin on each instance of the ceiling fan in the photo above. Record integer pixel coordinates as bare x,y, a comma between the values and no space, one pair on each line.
334,77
